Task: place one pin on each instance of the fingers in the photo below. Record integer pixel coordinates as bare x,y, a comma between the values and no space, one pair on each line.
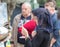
33,33
25,32
52,42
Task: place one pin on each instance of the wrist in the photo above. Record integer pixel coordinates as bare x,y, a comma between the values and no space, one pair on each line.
50,45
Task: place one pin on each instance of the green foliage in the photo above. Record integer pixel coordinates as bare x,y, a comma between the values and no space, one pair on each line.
41,2
58,3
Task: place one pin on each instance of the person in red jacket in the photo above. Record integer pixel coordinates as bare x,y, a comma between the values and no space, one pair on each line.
30,26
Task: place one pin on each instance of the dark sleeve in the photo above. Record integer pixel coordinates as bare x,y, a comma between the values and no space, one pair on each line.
55,27
28,43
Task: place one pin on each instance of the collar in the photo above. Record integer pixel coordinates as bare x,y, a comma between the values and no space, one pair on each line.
52,15
28,18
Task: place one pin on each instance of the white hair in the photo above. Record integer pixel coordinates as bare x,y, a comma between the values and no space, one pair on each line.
27,4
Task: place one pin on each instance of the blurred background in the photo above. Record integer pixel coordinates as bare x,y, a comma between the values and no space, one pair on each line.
14,7
11,4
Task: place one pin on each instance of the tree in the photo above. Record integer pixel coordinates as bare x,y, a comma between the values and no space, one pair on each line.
41,2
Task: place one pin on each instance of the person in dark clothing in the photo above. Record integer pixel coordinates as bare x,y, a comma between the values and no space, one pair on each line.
57,42
16,11
43,29
51,8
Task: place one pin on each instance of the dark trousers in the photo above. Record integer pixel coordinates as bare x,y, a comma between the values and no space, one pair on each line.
21,40
42,39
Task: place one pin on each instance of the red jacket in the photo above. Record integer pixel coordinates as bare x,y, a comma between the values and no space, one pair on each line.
30,26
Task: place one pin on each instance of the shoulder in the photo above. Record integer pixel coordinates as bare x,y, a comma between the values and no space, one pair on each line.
17,16
54,16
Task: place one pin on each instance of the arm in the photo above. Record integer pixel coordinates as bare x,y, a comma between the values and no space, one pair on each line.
53,40
55,30
14,33
27,39
33,33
